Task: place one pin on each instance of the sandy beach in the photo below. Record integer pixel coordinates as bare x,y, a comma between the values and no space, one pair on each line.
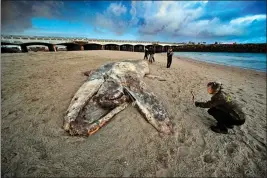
36,89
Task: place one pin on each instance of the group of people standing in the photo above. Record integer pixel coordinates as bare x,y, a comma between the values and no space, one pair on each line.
151,53
151,58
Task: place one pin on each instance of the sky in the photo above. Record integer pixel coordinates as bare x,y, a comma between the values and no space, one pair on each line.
165,21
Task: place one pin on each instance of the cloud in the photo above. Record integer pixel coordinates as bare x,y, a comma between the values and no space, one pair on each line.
117,9
209,29
103,21
247,19
112,18
182,20
16,15
12,18
168,17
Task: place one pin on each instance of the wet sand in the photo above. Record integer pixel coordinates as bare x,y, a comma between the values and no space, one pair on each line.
36,90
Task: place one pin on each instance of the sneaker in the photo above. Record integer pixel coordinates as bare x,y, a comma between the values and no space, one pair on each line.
218,130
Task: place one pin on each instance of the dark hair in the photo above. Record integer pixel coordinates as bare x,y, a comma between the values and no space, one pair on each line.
214,85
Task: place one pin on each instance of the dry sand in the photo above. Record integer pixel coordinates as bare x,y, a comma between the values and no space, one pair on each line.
37,89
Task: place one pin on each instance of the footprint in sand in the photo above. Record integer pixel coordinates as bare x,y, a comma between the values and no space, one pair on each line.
174,95
31,170
181,136
231,148
259,94
208,158
171,151
244,101
260,148
259,102
162,159
252,111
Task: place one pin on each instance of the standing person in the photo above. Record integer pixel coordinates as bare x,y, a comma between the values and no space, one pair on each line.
225,110
146,53
151,55
169,57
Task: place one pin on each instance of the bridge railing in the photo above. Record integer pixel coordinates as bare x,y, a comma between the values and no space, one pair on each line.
8,37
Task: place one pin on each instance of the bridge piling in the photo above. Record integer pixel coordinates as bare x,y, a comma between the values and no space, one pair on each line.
24,48
52,48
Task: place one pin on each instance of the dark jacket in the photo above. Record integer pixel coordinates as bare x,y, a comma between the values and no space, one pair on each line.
169,54
146,52
151,51
224,102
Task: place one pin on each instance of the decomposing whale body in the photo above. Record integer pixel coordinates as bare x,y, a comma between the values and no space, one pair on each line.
108,90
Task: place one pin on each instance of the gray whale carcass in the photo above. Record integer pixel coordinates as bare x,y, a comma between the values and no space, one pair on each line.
109,90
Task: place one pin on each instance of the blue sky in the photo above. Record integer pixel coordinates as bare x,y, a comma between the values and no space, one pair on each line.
170,21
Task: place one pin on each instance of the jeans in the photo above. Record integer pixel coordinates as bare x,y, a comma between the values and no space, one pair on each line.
151,58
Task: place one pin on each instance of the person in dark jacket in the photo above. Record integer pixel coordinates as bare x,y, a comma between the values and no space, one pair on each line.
146,54
223,108
169,58
151,55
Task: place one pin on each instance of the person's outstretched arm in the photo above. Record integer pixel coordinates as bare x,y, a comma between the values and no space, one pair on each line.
215,101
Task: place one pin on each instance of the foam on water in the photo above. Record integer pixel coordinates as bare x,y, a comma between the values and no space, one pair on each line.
254,61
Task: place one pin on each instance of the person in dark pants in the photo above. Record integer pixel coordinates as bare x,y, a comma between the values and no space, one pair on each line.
169,58
151,55
223,108
146,54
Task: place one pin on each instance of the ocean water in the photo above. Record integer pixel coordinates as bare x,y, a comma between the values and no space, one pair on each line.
254,61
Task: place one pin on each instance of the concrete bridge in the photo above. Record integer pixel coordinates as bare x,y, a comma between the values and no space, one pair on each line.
75,44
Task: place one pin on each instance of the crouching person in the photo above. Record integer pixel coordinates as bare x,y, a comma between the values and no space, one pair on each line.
225,110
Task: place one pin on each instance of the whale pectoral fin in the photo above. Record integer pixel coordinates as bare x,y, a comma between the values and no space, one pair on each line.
152,109
81,97
101,122
80,127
